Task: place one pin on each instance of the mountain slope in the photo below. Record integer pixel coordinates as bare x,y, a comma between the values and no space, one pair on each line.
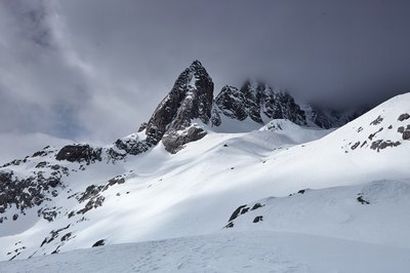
104,193
181,175
158,195
348,212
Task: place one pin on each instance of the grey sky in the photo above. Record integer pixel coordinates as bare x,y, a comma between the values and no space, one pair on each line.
95,69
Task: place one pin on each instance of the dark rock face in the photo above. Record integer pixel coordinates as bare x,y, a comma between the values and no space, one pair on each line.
174,140
403,117
281,105
243,210
383,144
252,93
257,100
79,153
93,195
361,200
30,191
232,103
355,145
257,219
99,243
132,146
53,235
378,120
236,213
216,116
191,98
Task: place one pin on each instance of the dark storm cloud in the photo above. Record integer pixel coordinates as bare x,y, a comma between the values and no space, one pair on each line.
344,51
108,63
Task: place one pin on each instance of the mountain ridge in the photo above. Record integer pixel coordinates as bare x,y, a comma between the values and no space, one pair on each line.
144,188
192,98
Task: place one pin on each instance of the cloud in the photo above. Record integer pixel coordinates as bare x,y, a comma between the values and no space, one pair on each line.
95,69
38,89
46,87
345,51
17,146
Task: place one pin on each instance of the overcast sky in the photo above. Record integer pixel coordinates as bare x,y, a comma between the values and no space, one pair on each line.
95,69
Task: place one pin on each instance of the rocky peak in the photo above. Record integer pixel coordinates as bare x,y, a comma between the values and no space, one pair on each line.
259,102
253,94
190,99
231,101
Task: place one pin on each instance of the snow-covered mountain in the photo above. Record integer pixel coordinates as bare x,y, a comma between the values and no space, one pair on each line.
249,161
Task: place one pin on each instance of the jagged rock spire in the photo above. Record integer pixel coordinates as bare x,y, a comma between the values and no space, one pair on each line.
190,99
259,102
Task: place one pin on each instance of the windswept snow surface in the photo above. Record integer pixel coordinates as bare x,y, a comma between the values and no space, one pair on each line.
226,253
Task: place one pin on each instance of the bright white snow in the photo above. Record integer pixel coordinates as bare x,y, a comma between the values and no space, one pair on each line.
228,253
195,191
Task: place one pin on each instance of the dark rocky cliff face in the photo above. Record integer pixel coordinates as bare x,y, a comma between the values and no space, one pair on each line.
259,102
232,103
190,99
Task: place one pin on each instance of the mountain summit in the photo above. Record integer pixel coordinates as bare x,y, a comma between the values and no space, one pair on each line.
190,99
189,108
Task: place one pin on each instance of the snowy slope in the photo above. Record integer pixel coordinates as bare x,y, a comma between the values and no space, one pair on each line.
157,200
375,212
158,195
229,252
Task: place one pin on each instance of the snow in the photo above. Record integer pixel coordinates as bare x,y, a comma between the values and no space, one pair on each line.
194,192
228,252
229,125
336,212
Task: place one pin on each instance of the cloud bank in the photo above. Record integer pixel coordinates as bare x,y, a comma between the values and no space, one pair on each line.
95,69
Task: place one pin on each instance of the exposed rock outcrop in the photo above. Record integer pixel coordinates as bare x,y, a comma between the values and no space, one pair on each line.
79,153
232,103
190,99
259,102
